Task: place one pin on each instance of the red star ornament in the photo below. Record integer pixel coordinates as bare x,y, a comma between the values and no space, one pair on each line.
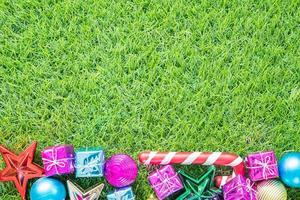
20,168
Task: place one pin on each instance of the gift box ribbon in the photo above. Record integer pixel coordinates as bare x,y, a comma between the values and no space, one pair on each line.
91,167
265,164
55,162
249,189
166,184
122,195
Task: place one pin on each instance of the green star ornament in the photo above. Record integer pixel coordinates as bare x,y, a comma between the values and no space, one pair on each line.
195,187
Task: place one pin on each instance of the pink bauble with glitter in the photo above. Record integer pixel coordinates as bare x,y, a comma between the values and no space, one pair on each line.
120,170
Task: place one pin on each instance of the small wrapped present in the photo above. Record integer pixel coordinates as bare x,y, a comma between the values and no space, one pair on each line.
240,188
58,160
125,193
262,166
89,162
165,182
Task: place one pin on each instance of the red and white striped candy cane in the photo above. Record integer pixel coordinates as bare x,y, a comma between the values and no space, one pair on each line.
191,158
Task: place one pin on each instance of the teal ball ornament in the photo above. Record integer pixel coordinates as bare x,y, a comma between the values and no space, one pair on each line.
271,190
48,189
289,169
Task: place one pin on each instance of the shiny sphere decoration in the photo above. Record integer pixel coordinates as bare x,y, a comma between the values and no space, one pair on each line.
120,170
271,190
48,189
289,169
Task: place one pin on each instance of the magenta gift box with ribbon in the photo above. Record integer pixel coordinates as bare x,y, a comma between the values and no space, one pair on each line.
240,188
58,160
165,182
262,166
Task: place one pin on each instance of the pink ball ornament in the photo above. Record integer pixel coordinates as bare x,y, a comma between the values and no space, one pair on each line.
120,170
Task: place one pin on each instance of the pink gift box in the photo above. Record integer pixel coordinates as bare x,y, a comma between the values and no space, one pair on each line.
240,188
262,166
165,182
58,160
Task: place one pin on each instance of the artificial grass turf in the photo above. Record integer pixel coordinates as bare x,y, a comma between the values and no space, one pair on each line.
150,75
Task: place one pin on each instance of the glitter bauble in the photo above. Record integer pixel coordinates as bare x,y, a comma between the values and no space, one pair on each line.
120,170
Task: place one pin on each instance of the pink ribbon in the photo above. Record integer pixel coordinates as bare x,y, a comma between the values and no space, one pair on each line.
55,162
265,164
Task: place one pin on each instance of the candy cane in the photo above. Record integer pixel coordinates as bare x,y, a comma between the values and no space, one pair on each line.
202,158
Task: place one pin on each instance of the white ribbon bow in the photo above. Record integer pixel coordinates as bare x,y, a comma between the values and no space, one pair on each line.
248,186
265,164
166,185
55,162
121,195
92,166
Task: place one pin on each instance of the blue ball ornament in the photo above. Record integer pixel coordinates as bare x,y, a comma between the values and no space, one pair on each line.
48,189
289,169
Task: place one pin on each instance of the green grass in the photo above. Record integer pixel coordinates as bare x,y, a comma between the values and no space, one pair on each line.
150,75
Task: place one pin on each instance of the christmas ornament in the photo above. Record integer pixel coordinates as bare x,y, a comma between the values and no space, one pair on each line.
289,169
239,188
271,190
89,162
262,166
125,193
58,160
48,189
165,182
120,170
20,168
203,158
195,188
77,193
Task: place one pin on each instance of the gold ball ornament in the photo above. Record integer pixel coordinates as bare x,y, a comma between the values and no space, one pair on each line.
271,190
